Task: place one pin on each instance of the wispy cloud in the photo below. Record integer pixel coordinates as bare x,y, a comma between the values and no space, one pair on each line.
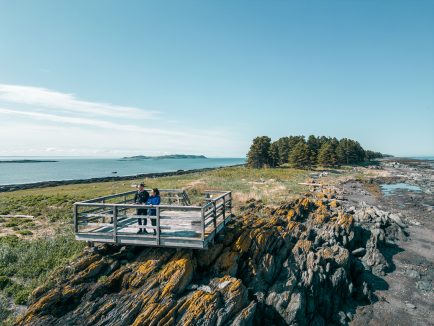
41,121
86,122
63,102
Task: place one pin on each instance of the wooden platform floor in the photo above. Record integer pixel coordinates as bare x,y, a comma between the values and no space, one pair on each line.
174,233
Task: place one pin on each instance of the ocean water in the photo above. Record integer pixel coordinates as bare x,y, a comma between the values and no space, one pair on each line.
81,168
428,158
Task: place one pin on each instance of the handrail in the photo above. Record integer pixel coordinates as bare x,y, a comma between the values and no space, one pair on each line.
138,206
115,217
108,197
130,192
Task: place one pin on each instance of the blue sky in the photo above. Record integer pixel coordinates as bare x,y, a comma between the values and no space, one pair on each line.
110,78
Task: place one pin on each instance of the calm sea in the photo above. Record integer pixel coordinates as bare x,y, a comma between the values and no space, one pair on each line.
428,158
75,168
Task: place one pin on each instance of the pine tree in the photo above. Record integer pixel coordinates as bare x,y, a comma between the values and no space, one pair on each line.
349,152
283,149
274,155
314,147
259,153
327,155
300,156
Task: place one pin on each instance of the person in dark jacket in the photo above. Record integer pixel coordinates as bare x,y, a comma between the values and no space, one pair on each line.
154,199
141,197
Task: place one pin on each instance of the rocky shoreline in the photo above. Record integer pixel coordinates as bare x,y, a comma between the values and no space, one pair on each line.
43,184
407,296
341,255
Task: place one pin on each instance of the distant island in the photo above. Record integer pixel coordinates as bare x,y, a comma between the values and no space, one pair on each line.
27,161
172,156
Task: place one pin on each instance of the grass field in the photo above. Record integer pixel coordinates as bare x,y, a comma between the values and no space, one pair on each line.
31,248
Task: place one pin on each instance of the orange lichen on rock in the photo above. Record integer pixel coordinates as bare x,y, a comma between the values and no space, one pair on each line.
267,260
243,242
177,273
291,215
346,221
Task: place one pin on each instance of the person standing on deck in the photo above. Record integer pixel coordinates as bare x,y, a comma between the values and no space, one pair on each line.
154,199
141,197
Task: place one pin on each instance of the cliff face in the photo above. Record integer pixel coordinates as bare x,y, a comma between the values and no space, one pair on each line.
291,265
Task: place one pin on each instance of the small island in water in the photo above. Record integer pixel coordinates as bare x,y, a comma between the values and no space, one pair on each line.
171,156
27,161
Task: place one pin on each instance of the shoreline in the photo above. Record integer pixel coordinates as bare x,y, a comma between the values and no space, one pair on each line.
44,184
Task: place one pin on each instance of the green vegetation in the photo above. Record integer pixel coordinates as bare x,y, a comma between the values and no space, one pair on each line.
259,154
26,264
327,155
302,153
301,156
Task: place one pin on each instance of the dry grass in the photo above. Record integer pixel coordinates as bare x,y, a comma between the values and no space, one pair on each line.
53,205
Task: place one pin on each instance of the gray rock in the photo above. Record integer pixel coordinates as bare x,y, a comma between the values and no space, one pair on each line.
395,218
411,306
424,285
245,316
359,252
412,273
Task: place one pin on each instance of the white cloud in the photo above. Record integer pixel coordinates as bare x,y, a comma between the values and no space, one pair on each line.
84,121
44,98
36,121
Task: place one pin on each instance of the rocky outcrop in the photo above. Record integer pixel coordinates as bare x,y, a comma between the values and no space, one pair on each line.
298,264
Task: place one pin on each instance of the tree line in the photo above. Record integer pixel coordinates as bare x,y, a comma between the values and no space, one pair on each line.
305,153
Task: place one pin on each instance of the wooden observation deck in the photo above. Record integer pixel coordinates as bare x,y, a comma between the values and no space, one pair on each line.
113,219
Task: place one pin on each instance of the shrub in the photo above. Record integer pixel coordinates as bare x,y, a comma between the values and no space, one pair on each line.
4,282
22,296
103,279
4,312
25,232
11,224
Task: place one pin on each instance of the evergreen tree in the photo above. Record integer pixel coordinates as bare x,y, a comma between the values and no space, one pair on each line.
327,155
283,149
302,153
371,155
314,146
349,151
300,156
259,153
274,155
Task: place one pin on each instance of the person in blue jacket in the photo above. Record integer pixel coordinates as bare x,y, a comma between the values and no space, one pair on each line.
154,199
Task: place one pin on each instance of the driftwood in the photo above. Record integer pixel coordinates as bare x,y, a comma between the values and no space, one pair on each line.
311,184
18,216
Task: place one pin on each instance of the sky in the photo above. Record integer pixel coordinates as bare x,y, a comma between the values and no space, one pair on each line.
112,78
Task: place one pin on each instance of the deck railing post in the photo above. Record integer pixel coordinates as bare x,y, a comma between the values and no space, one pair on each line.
75,218
214,216
202,223
115,223
224,210
158,226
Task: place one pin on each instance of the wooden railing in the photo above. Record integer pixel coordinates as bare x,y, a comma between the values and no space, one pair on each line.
114,219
